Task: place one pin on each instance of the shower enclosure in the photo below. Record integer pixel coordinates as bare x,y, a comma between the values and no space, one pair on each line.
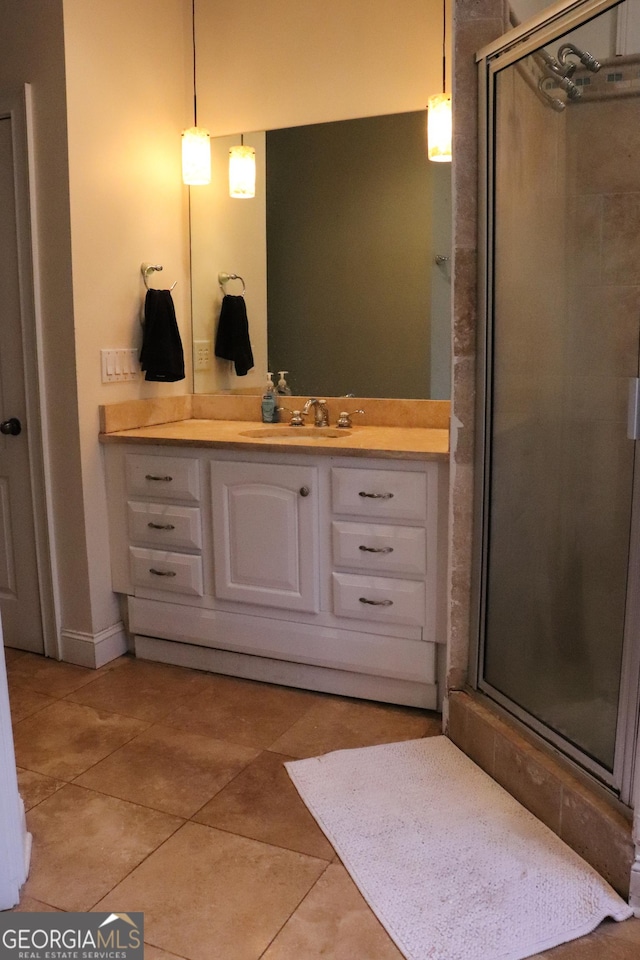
558,560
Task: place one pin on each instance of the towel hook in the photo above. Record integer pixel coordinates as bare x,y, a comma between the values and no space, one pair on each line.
225,277
148,268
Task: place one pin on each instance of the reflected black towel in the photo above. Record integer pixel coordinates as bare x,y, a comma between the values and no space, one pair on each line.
161,355
232,337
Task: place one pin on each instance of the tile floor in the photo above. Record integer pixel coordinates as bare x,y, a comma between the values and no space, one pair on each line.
161,789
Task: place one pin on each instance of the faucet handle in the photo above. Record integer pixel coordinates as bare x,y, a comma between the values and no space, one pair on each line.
297,419
344,420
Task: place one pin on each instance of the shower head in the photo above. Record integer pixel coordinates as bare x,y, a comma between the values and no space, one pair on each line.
553,102
585,58
563,81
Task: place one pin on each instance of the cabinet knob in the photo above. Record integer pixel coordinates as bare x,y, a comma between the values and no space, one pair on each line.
304,491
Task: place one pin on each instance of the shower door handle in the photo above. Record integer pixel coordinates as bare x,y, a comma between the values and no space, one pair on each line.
633,409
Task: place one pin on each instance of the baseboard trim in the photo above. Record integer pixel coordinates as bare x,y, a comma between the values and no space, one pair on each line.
93,650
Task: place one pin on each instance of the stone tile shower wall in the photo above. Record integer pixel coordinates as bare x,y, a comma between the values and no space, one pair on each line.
475,24
594,236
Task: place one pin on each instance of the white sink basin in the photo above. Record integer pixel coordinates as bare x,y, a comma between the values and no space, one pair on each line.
294,433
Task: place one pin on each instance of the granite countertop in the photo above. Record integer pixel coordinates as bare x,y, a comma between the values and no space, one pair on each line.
227,422
406,443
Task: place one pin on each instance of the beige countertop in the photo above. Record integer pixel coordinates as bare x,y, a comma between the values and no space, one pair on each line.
404,443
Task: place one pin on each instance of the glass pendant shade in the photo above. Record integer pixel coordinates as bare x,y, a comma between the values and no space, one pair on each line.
242,172
439,128
196,156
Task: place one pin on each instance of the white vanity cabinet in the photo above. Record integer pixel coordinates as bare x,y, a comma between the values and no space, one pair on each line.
265,545
315,571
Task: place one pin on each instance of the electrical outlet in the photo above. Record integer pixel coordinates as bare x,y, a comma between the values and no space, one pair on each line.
201,355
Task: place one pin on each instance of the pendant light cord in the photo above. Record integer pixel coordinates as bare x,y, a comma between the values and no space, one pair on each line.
444,45
193,45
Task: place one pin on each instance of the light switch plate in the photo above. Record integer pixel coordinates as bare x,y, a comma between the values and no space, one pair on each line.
119,365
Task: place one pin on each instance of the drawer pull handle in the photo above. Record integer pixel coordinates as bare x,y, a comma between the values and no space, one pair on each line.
161,526
377,603
376,549
376,496
162,573
151,476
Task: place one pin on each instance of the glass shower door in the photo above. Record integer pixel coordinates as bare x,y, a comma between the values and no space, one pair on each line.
563,343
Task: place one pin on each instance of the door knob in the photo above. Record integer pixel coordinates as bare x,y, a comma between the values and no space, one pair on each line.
11,427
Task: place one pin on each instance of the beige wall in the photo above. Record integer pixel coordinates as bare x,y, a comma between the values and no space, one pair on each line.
128,99
112,197
289,62
108,198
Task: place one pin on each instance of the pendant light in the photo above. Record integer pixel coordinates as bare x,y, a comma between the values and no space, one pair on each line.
439,115
242,171
196,142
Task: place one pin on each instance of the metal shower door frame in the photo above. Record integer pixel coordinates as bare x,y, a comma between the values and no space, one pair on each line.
558,19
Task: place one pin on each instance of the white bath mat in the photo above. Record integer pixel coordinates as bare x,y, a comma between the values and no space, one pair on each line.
453,867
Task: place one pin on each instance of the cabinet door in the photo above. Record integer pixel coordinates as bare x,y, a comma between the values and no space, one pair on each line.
265,531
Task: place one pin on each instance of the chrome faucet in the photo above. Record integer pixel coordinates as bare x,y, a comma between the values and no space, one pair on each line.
321,413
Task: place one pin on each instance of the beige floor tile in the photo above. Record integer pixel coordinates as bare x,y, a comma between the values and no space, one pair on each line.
25,702
29,905
44,675
10,653
610,941
141,689
333,921
262,803
208,894
588,949
168,769
242,711
65,739
34,787
153,953
84,843
334,724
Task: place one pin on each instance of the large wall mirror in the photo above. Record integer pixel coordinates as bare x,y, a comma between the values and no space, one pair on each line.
344,251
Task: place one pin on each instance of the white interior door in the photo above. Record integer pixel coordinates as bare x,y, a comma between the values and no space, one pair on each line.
19,590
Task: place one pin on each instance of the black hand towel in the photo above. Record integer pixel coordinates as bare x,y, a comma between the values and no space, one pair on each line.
232,336
161,355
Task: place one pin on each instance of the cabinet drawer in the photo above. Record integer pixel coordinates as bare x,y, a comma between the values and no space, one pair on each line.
165,525
174,478
388,494
162,570
380,599
375,548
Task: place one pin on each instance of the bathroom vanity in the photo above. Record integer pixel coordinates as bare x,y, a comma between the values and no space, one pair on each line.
304,559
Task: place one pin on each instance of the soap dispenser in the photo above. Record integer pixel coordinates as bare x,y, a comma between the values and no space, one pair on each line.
284,390
269,402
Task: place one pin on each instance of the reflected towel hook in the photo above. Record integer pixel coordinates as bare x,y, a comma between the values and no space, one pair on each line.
225,277
147,269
